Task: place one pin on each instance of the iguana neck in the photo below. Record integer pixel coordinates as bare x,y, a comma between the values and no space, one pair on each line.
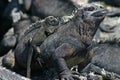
86,31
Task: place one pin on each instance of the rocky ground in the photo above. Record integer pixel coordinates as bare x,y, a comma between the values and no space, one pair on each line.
108,69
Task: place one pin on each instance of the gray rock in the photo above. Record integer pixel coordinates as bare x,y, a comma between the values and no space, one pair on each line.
107,56
109,30
43,8
9,75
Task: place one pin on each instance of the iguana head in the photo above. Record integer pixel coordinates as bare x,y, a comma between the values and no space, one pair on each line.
92,14
51,25
88,20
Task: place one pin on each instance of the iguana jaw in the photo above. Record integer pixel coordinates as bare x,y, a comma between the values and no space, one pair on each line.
99,13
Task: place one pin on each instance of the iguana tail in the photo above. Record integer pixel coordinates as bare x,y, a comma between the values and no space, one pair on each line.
29,59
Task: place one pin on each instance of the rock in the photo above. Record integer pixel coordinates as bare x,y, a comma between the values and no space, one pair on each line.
107,56
113,3
109,30
9,75
44,8
9,58
8,42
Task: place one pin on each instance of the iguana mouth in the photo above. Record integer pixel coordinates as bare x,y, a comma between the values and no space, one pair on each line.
99,13
95,10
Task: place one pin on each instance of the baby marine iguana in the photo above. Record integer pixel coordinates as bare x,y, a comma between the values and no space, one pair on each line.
66,45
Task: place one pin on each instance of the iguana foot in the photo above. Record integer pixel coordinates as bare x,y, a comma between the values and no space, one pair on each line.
67,75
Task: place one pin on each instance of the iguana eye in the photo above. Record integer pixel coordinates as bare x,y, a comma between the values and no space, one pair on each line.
90,8
52,21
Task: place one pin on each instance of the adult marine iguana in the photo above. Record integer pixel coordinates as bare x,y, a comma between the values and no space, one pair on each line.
66,47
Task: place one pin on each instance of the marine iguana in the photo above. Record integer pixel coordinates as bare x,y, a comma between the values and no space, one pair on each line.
65,47
25,27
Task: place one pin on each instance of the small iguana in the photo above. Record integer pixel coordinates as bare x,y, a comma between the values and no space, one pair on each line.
22,27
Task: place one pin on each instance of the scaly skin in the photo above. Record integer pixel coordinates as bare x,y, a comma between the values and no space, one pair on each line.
65,45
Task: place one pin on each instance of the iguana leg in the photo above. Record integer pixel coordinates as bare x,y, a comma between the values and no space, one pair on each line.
64,51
